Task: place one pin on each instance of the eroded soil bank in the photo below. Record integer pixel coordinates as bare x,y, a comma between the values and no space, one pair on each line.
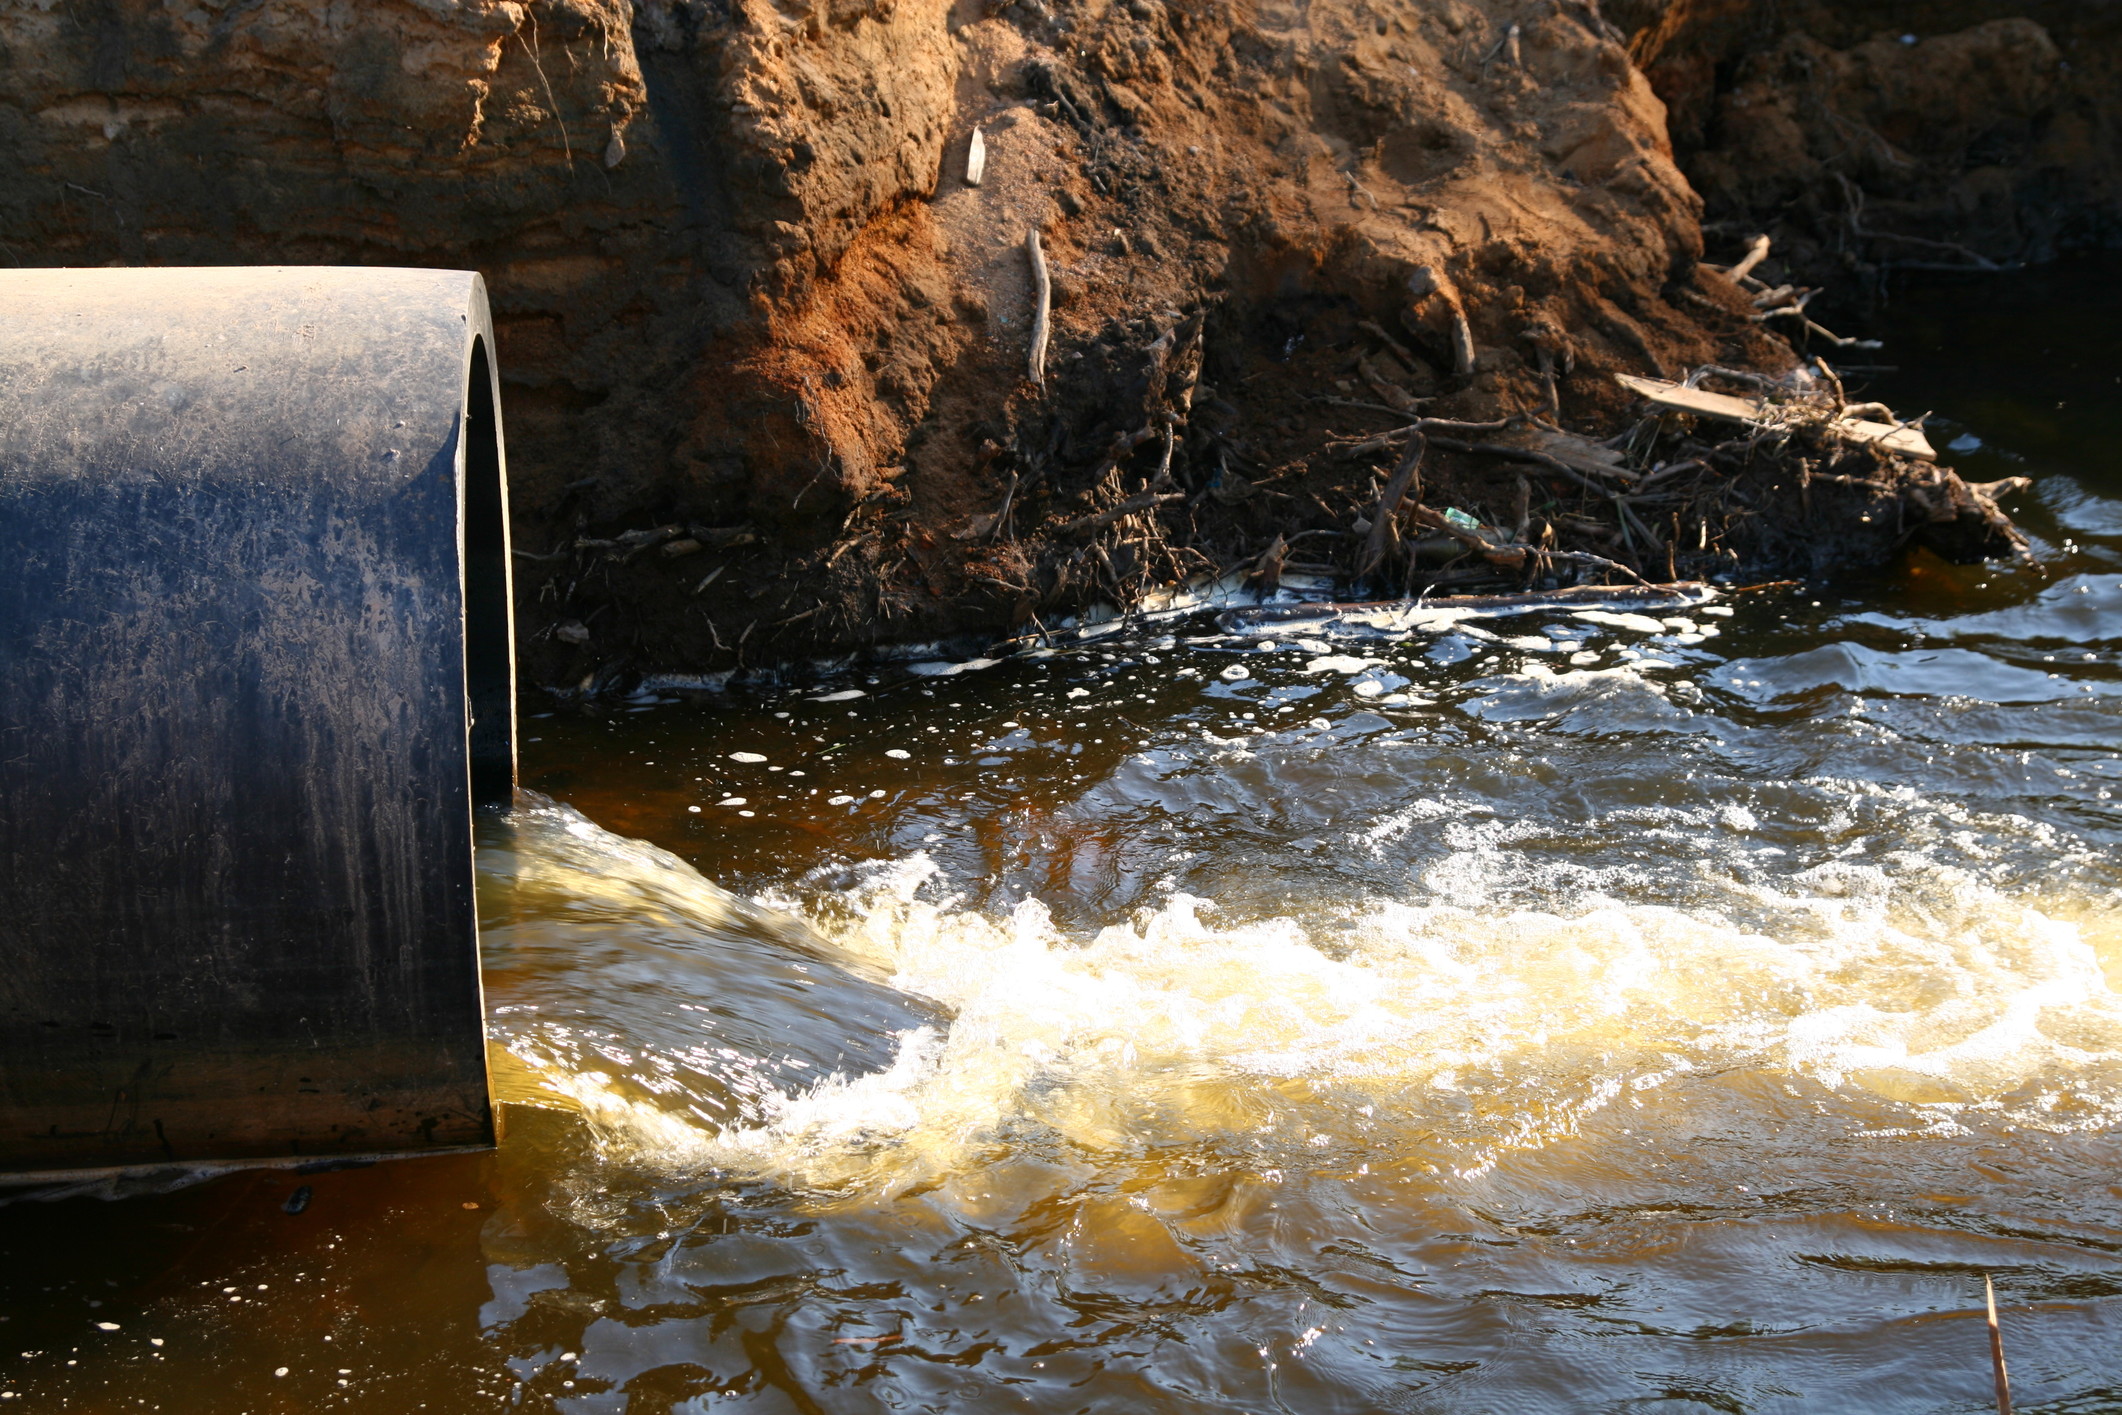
766,349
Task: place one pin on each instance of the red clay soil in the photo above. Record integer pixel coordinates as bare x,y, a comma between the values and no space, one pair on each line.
766,351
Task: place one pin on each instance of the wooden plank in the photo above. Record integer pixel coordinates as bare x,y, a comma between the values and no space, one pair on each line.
1908,441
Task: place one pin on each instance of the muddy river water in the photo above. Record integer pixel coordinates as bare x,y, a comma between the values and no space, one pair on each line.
1541,1014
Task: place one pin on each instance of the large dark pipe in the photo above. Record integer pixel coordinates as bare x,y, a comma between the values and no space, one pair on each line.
255,674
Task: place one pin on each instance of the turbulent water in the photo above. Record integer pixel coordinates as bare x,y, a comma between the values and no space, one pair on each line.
1569,1012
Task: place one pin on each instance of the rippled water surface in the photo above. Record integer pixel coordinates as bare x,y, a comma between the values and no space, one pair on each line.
1541,1014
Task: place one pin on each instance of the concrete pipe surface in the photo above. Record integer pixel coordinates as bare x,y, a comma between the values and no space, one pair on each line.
255,675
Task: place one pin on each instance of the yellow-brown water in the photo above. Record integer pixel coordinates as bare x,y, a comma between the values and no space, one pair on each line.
1545,1015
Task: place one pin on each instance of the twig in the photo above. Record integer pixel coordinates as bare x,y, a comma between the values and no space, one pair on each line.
565,146
1390,412
1736,375
1996,1348
1009,498
1163,477
1382,518
1120,447
1597,562
1688,464
1523,454
1424,426
1495,554
1834,381
1399,350
1755,254
1042,307
1838,341
1512,555
1142,501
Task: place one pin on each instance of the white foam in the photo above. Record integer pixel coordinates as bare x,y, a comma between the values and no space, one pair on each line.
1641,623
941,669
1340,663
1443,1019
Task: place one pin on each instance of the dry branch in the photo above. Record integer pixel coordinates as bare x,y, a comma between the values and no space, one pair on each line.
1382,518
1523,454
1755,254
1042,307
1141,502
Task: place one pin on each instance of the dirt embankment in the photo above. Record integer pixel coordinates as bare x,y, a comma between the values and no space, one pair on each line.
765,348
1874,135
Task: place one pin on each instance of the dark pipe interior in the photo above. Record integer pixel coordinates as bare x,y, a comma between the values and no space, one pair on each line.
488,654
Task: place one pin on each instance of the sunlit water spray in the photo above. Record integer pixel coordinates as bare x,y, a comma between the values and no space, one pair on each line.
1435,1030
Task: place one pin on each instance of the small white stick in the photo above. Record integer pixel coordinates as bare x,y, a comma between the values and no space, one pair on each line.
1757,253
1996,1349
1462,342
1042,306
976,159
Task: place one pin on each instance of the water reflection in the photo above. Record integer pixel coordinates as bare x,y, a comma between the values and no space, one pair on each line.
1587,1011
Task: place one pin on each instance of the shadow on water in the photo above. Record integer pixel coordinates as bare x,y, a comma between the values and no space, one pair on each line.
1558,1013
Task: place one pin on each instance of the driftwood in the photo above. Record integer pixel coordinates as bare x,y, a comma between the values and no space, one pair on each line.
1403,480
1904,438
1042,307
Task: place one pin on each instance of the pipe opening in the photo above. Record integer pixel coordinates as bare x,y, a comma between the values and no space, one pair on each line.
489,655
